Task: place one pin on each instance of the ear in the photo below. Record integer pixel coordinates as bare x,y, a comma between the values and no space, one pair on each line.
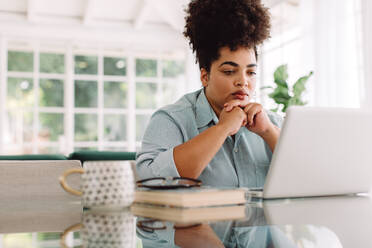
204,77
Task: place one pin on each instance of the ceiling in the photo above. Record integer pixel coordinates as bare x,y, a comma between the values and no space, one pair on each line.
132,21
94,12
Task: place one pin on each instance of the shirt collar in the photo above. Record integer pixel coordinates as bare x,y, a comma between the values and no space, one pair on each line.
204,111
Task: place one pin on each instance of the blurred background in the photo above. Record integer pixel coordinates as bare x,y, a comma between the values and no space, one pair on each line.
88,74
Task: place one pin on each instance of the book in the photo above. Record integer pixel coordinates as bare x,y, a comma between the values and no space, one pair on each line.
192,197
187,215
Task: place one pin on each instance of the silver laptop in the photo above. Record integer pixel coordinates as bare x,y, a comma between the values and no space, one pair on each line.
321,151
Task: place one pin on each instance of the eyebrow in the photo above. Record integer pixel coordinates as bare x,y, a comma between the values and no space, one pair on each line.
236,65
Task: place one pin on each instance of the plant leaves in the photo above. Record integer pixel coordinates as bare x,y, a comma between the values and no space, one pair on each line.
299,86
275,109
281,76
296,101
298,89
284,109
280,95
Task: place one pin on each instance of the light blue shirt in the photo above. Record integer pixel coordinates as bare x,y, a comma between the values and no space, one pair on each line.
242,162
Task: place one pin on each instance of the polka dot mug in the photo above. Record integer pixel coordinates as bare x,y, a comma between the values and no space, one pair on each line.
104,183
109,229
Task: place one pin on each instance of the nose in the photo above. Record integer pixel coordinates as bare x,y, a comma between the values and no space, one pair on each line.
241,83
242,80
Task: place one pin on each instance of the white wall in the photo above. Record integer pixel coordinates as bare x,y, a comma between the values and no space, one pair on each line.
367,46
331,46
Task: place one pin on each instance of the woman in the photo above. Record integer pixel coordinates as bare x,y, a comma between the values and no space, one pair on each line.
216,134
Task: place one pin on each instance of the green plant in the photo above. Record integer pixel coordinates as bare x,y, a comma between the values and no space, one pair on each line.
282,95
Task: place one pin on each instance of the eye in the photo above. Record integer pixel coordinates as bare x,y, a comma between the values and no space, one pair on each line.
228,72
251,73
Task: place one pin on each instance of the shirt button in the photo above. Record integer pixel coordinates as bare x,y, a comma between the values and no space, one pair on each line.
236,150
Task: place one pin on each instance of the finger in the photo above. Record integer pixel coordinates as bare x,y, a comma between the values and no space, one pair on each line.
244,116
251,109
241,114
252,113
234,103
248,107
231,104
247,110
244,122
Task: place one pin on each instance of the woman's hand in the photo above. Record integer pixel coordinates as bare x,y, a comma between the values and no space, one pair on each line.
236,103
232,120
257,119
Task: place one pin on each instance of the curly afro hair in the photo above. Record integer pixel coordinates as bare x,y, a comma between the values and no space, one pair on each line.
213,24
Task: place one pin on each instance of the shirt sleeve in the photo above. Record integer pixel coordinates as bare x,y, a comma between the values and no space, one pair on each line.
156,155
275,118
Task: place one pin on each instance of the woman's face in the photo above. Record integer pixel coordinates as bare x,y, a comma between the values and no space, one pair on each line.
232,76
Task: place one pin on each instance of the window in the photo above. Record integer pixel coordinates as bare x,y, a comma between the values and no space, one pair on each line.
283,48
301,39
60,101
157,83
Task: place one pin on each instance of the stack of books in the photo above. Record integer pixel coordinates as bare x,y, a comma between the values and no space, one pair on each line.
191,205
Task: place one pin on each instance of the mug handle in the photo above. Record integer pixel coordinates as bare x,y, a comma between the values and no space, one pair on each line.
65,186
67,231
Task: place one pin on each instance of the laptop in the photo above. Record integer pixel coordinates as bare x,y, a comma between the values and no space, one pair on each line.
320,152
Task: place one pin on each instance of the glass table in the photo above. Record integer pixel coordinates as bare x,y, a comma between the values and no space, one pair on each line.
330,222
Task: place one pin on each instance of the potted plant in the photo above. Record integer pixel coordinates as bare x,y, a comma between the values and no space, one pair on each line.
282,94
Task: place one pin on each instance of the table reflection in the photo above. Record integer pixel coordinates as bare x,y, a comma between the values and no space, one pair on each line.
302,223
105,228
249,232
306,223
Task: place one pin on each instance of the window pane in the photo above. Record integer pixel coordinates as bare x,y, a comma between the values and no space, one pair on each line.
51,126
20,92
146,95
77,149
86,94
48,149
86,127
20,61
141,124
170,93
49,236
172,68
17,240
115,95
18,127
51,93
146,68
115,66
116,149
86,65
17,150
115,127
52,63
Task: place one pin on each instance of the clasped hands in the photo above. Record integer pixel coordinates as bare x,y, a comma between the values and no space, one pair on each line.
237,113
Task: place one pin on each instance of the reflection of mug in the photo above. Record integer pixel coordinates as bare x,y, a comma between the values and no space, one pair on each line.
105,229
108,183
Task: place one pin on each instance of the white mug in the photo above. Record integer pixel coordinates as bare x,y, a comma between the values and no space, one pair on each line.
105,229
104,183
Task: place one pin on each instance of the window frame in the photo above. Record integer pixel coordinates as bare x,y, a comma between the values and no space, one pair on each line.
67,144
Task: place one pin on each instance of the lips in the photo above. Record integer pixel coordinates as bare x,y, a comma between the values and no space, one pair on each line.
240,94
